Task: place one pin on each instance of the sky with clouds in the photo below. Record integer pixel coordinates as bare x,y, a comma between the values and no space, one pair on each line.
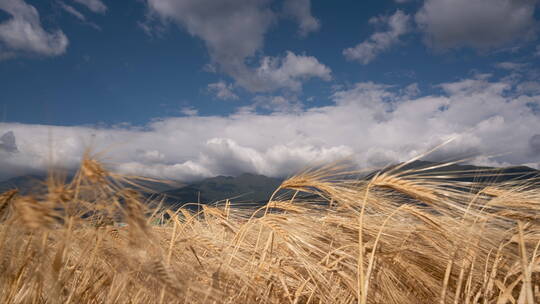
187,89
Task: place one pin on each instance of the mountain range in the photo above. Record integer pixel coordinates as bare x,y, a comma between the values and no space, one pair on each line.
253,188
244,188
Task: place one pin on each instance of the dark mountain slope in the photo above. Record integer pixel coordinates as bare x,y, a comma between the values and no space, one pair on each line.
243,188
470,173
25,183
252,188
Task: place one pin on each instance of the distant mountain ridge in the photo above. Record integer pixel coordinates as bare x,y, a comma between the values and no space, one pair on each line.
35,183
246,187
254,188
25,183
471,173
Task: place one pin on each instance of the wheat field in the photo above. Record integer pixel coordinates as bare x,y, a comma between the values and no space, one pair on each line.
324,237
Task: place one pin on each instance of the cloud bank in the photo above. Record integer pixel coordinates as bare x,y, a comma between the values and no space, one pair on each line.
374,124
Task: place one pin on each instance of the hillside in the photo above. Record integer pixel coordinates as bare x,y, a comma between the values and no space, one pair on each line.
470,173
243,188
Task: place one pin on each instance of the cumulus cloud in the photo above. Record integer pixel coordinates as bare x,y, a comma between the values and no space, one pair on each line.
290,71
222,90
411,90
512,66
23,33
365,52
95,6
478,24
233,31
375,124
275,104
301,11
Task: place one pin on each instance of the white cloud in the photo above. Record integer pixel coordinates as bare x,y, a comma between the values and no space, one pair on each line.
275,104
476,23
222,90
511,66
233,31
301,11
289,72
70,9
95,6
189,111
411,90
152,156
367,51
529,87
376,124
23,33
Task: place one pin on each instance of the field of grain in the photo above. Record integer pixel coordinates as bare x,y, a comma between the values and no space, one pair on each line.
324,237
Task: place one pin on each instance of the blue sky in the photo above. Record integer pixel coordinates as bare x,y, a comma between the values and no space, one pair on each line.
154,74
